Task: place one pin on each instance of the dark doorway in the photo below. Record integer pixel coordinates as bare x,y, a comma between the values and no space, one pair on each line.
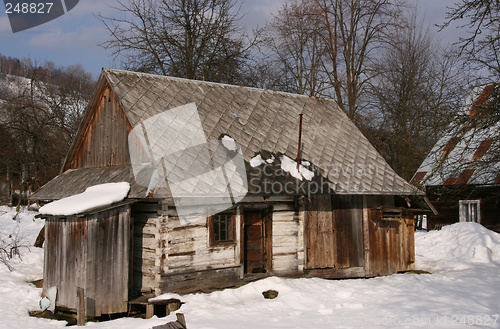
257,241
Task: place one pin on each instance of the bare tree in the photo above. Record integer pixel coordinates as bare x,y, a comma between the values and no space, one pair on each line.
353,31
194,39
41,118
297,48
417,90
477,128
481,19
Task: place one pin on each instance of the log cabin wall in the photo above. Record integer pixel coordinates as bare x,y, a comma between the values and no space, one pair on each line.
146,255
288,236
104,140
188,261
91,252
343,239
446,201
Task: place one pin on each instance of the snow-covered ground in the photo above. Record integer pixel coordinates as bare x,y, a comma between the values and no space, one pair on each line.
463,290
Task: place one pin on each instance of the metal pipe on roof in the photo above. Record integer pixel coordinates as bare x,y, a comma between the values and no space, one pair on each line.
300,141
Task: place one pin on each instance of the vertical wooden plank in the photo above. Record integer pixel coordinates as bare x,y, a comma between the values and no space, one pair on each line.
150,310
181,319
268,238
254,242
321,242
407,242
237,225
366,237
80,315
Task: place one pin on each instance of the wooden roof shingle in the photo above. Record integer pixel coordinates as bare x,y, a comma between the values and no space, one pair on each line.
263,121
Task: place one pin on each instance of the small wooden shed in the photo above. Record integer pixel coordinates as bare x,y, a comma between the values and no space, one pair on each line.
352,217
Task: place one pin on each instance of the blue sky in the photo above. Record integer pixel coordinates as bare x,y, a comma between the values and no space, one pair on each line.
73,37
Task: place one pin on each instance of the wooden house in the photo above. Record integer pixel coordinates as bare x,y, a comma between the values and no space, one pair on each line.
461,174
353,217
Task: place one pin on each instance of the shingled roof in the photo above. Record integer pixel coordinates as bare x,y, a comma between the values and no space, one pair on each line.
263,121
464,155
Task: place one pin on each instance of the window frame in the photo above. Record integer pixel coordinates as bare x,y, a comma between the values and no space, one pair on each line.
464,207
230,229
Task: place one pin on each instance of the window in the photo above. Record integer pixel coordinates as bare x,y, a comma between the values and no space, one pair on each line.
421,222
469,210
222,228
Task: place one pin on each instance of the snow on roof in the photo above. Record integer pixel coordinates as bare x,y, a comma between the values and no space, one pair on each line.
94,197
257,161
229,143
453,159
287,165
290,166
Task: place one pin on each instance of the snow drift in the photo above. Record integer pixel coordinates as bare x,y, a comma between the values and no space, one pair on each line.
456,247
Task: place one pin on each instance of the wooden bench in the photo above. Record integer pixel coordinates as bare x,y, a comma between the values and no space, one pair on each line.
169,305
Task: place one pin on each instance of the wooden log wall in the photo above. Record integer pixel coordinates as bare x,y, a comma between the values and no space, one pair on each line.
147,250
186,249
189,262
288,238
91,252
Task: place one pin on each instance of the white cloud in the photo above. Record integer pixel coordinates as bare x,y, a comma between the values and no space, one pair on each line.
83,39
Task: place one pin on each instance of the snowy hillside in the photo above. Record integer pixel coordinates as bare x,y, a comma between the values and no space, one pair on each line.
461,292
13,87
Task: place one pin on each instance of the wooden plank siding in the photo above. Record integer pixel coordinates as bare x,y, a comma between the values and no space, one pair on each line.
104,142
391,241
91,252
334,232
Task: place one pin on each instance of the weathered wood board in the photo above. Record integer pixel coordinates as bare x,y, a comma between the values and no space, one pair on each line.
334,232
91,252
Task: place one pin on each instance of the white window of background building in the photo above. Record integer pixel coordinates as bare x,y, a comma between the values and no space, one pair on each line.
469,210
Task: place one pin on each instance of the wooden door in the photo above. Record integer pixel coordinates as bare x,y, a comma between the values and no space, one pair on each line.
334,232
385,245
320,233
256,242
